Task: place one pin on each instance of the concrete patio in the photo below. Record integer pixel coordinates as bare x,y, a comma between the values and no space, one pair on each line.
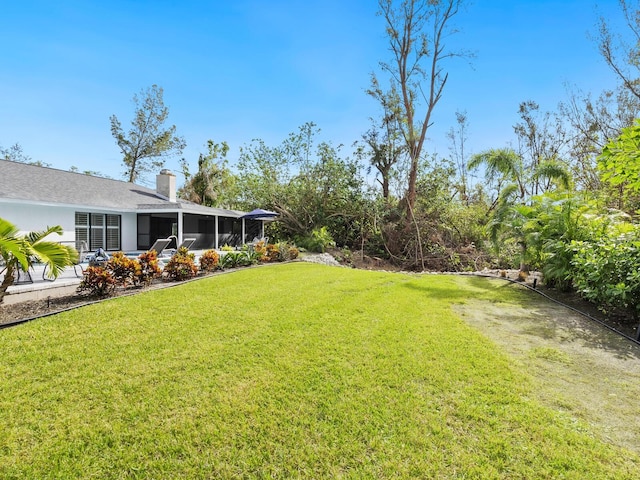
39,288
35,287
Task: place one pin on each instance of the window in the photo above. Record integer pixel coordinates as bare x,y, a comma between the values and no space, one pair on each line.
98,230
82,230
113,232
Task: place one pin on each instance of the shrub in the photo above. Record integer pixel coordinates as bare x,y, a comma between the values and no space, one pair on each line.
319,240
230,260
122,269
209,261
239,259
250,258
608,273
261,249
278,252
98,281
293,252
227,248
557,271
272,253
148,268
287,252
181,266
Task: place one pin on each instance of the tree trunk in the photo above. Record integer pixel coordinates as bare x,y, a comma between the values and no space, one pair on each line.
7,281
411,188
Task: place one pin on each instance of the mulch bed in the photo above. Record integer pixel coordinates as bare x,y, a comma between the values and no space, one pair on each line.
48,306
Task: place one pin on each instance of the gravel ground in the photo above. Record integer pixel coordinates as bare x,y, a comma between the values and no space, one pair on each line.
322,258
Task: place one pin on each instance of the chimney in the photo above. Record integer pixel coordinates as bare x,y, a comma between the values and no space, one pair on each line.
166,184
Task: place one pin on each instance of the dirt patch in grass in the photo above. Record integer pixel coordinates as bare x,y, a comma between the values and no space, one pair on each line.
578,367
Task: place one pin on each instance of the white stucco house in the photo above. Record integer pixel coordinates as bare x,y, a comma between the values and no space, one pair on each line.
112,214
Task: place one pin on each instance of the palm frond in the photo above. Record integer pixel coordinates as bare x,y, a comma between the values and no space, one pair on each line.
10,245
55,255
555,171
504,161
34,237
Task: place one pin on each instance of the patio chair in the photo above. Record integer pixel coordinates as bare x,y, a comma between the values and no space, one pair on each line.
82,252
19,274
84,248
257,240
23,276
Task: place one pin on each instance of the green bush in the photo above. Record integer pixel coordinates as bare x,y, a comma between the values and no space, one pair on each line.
181,266
557,270
230,260
607,272
240,259
250,258
319,240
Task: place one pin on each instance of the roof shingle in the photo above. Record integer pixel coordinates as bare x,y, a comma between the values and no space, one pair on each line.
44,185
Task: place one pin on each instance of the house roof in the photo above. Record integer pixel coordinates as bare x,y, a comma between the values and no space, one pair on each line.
49,186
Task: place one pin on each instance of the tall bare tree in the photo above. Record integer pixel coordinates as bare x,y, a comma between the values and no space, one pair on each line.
417,30
621,51
458,141
146,146
591,123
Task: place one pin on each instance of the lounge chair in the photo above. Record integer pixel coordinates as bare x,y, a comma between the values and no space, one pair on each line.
159,245
187,243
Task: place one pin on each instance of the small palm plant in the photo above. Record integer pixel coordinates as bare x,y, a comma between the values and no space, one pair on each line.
18,252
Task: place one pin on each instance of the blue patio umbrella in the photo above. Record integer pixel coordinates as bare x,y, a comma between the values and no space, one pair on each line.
260,214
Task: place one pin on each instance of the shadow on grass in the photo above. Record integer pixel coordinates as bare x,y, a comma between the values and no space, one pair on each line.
448,287
529,312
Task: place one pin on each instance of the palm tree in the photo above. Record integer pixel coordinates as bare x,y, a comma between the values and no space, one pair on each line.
516,184
18,252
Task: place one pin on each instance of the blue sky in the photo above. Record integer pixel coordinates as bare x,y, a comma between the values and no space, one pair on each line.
244,69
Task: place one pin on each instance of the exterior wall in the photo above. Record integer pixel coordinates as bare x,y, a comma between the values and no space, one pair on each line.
128,231
29,218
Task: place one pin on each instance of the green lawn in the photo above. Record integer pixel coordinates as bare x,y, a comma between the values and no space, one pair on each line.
287,371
